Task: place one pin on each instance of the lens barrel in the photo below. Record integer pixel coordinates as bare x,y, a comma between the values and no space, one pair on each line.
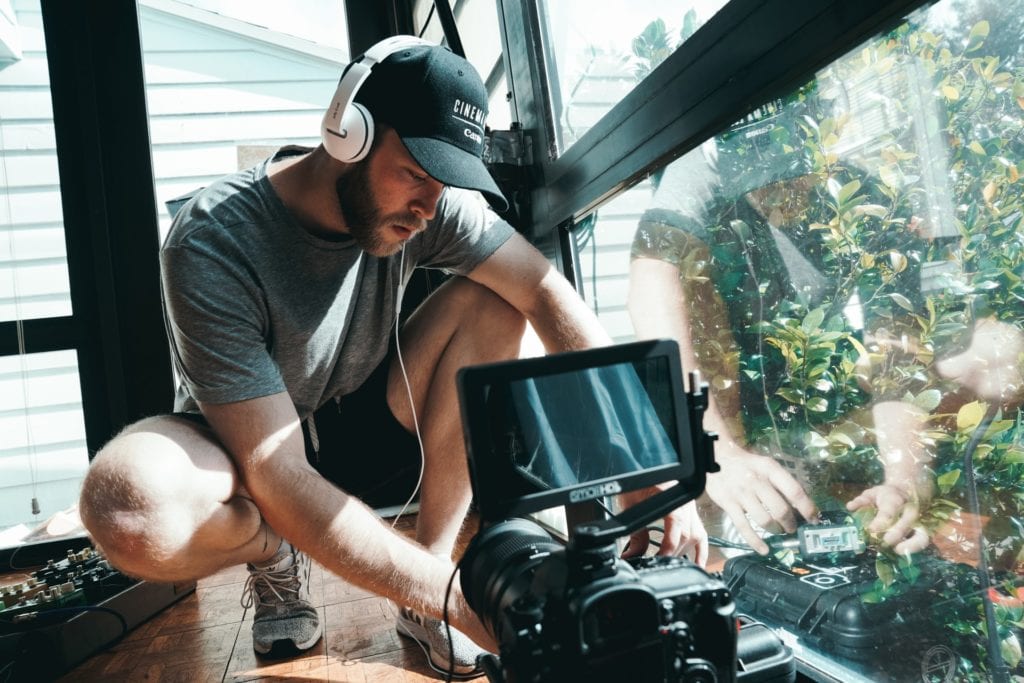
496,568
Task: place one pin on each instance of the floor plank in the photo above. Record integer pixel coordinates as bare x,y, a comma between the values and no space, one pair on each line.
206,636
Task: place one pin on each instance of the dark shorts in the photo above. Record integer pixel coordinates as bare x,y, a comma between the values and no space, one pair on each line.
364,450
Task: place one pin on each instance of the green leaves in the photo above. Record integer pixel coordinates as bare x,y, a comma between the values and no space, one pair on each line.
970,416
977,36
900,300
819,356
651,47
947,481
891,176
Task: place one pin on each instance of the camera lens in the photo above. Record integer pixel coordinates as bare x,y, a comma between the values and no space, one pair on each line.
496,566
700,672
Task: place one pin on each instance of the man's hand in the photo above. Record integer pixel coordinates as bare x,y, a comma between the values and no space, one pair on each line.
992,367
755,488
684,532
909,482
896,518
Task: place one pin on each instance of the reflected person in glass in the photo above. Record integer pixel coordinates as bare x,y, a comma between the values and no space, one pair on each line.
736,261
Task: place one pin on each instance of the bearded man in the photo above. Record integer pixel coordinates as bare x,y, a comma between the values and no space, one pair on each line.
296,410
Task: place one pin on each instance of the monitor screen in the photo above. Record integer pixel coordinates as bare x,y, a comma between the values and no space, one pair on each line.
564,428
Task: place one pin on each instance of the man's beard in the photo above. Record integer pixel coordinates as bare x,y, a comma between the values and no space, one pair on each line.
363,216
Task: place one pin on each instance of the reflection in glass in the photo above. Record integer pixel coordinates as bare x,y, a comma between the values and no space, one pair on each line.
846,267
570,428
600,51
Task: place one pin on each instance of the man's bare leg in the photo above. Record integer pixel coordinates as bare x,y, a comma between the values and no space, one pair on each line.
461,324
164,502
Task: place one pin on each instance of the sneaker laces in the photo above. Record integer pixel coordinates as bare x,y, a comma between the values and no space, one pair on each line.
275,584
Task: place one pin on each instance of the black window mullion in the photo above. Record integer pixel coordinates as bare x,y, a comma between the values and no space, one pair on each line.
40,335
110,214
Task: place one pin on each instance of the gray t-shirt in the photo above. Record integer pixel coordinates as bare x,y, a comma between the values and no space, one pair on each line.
255,305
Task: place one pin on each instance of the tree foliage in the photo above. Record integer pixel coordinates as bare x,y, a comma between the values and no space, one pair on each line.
917,143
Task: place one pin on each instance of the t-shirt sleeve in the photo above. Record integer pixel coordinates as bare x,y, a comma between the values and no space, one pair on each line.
217,324
678,217
465,232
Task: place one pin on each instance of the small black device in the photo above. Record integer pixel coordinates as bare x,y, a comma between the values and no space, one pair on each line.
70,609
817,585
571,427
833,539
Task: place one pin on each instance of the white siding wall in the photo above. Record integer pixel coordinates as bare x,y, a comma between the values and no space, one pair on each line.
604,260
42,435
212,91
32,255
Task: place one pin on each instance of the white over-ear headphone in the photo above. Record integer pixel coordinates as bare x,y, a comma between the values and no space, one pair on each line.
347,128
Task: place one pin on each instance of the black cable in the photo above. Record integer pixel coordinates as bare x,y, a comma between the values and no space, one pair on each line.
40,619
426,24
719,542
450,27
1000,672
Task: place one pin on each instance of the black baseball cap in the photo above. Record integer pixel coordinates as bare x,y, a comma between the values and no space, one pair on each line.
767,145
437,103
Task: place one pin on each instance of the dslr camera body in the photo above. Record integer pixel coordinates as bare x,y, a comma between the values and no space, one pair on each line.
570,613
569,428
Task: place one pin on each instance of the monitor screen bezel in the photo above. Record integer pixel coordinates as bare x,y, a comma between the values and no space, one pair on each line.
489,476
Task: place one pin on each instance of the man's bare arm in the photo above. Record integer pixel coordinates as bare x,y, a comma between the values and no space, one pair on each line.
750,486
264,438
908,486
521,275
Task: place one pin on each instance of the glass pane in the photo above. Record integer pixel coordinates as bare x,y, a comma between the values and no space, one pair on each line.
33,259
477,21
43,456
845,266
229,82
600,51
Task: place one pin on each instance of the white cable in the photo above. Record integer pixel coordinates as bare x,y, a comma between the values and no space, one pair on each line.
20,327
416,427
408,387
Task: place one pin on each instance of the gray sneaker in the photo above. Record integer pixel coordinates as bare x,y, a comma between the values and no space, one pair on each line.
430,634
279,593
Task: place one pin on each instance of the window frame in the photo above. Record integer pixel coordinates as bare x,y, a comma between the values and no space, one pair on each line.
97,90
747,53
110,213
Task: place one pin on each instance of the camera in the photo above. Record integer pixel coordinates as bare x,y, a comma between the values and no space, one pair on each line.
561,613
575,427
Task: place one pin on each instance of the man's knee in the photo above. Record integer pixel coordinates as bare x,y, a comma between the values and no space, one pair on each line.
135,497
488,311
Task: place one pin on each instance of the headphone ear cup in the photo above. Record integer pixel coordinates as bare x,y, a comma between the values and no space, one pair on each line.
349,141
347,127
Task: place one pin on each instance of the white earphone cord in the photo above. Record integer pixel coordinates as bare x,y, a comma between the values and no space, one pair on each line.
408,388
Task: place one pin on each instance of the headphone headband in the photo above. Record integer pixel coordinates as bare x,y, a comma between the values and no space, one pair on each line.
347,127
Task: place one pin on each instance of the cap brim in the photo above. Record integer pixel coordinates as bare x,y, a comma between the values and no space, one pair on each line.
455,167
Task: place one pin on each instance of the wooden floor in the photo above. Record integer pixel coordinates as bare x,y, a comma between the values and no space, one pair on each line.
206,637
